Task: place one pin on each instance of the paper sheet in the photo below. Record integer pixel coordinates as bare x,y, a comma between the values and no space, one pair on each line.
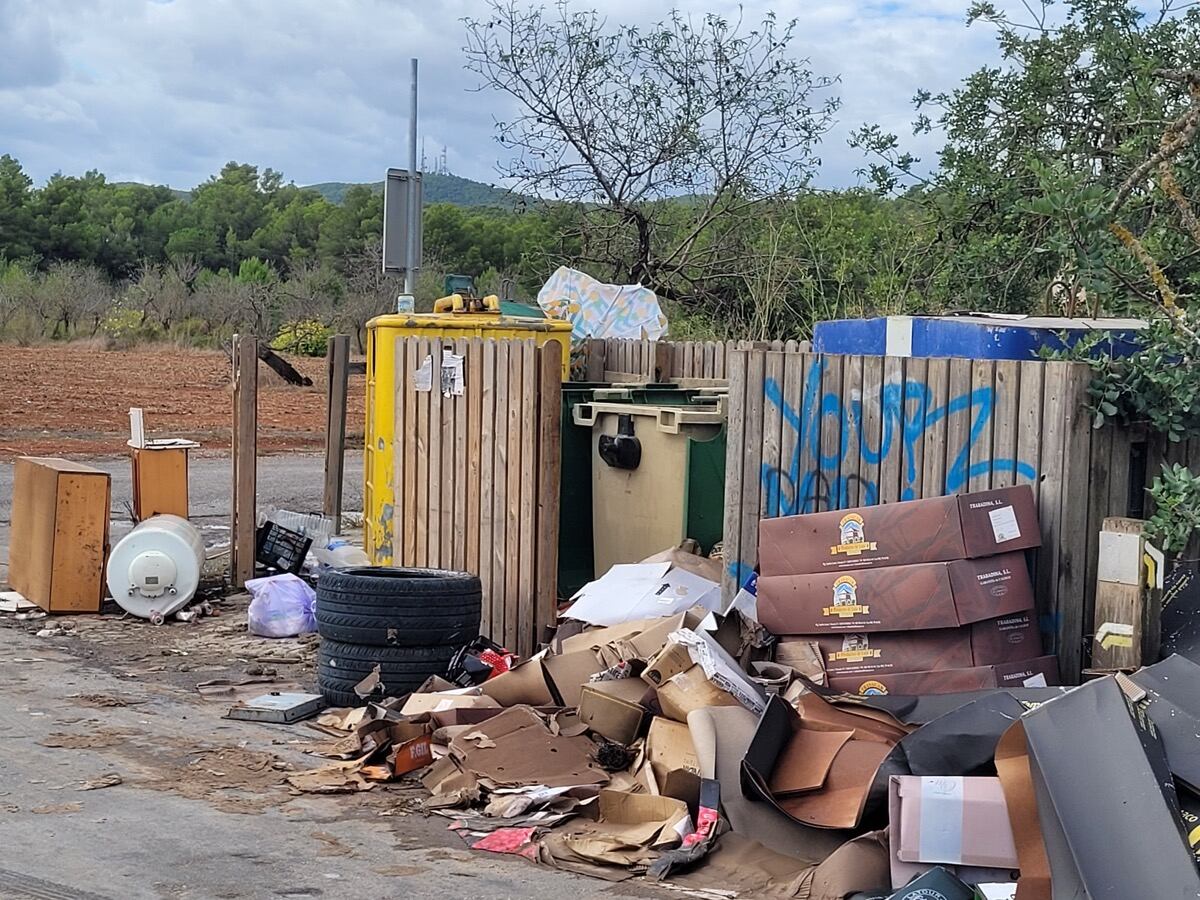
633,591
1004,524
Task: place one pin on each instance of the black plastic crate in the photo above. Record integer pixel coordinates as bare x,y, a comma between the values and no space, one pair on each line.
281,548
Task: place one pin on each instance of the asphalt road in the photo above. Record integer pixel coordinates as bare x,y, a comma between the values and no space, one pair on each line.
291,481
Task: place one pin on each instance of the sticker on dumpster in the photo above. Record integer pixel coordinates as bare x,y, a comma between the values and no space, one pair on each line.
423,376
452,374
853,539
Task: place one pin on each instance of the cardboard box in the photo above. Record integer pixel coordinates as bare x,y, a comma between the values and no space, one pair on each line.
896,598
952,821
666,664
669,748
59,534
991,642
525,683
1079,771
938,529
1039,672
613,709
688,691
411,747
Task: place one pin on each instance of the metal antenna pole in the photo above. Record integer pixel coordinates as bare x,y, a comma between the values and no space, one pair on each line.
414,213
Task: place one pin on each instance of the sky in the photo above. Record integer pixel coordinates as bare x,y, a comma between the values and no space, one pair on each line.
167,91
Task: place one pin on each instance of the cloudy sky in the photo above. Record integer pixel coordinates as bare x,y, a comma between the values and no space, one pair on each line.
166,91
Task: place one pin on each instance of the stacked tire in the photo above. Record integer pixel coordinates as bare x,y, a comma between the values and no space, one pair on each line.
409,622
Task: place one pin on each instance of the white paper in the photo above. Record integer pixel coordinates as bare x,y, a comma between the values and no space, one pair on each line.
423,376
633,591
998,891
452,374
1038,680
1004,524
137,427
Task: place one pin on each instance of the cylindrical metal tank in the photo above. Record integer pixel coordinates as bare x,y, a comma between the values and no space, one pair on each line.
155,569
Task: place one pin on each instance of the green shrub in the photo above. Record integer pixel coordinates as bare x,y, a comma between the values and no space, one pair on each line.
306,337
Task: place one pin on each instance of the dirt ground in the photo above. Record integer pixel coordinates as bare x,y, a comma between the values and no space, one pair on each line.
74,400
119,779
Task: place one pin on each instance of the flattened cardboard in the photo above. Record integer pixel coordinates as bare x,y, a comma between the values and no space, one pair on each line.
569,672
1173,703
938,529
613,709
1039,672
669,748
525,683
518,749
845,780
896,598
412,754
1068,798
439,702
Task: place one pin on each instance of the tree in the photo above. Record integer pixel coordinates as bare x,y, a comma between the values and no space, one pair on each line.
16,219
1040,149
665,140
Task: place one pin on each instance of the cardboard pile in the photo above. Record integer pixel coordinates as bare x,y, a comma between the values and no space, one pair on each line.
926,596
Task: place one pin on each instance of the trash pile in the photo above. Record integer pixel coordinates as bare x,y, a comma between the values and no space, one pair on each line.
659,735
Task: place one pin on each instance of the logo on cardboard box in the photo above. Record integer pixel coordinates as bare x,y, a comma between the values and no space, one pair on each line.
845,600
852,537
855,648
872,689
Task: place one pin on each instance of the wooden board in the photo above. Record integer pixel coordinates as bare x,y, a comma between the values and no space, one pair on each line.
160,482
735,445
981,424
852,413
549,473
492,621
772,419
500,534
937,382
1007,388
245,460
830,459
80,542
891,466
337,362
1074,613
1050,492
958,426
871,435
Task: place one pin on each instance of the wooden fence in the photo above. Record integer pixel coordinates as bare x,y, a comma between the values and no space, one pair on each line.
477,466
616,359
812,432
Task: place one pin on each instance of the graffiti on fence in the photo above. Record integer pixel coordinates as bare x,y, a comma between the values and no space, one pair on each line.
907,411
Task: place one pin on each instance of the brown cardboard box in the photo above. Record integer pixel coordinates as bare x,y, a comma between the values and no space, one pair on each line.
1039,672
896,598
688,691
666,664
59,534
938,529
1007,639
613,709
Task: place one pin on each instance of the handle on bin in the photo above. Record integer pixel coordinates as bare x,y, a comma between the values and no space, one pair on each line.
621,450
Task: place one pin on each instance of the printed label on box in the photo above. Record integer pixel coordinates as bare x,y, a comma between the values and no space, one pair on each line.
852,538
845,600
1004,524
855,648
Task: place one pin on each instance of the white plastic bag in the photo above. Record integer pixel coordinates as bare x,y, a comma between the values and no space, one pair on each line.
281,606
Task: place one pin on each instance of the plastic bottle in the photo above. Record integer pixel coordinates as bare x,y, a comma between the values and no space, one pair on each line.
343,554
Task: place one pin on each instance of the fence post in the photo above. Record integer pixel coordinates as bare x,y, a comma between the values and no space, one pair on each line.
245,458
549,474
596,352
337,358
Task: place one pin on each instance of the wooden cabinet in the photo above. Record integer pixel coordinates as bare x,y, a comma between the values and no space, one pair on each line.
59,539
160,482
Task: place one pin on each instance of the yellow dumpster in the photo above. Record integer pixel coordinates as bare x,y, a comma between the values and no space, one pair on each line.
383,333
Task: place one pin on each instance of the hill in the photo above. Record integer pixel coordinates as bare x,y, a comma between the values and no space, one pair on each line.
438,189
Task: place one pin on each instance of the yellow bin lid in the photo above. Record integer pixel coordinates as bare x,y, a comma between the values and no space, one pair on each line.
468,322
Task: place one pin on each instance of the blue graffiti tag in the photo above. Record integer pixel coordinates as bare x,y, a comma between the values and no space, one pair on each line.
907,411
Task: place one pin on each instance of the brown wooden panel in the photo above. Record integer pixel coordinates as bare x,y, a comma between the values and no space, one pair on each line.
735,452
852,409
1074,611
487,493
912,415
528,436
160,482
958,426
473,462
500,545
460,462
890,466
1050,491
937,380
424,454
769,498
1007,418
752,459
1029,421
512,521
982,423
549,474
871,432
80,542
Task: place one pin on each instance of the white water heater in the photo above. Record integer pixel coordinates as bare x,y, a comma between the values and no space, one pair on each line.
155,569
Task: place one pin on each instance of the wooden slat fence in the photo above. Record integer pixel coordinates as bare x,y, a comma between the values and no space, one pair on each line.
812,432
616,359
477,475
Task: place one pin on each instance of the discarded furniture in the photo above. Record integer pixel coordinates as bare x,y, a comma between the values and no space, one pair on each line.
59,534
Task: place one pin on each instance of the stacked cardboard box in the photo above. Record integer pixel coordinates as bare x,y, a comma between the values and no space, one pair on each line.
924,596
